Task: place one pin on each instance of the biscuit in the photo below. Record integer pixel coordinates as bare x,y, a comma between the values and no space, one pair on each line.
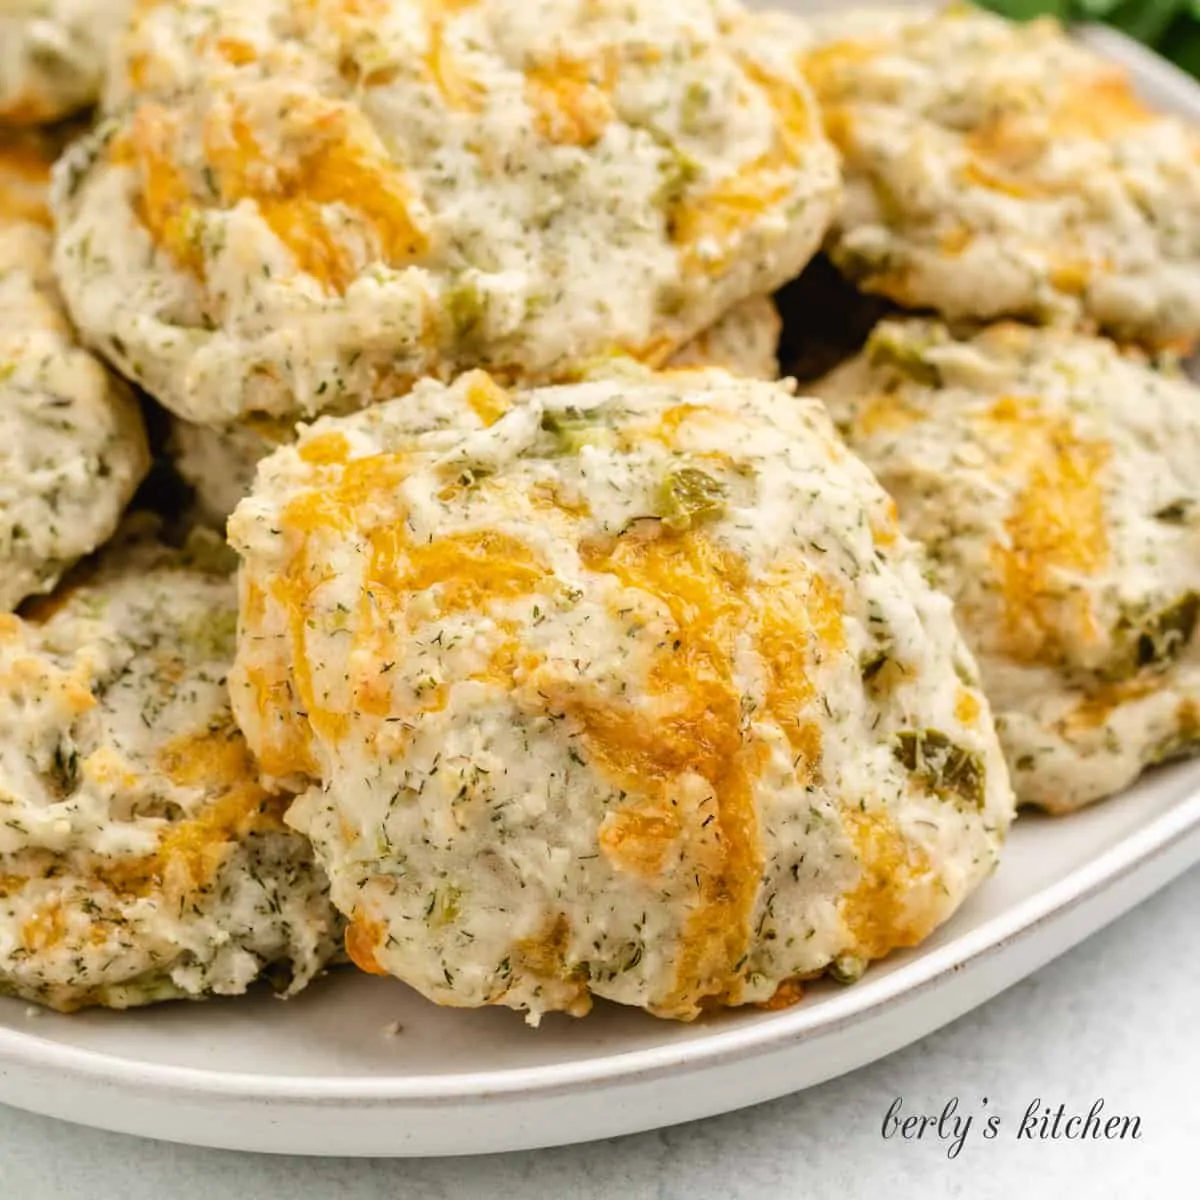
629,688
53,55
140,860
1052,481
305,207
72,443
1003,170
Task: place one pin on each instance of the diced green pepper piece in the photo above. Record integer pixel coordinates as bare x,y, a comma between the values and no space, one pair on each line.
443,906
1155,639
902,355
687,497
847,968
950,771
466,306
677,173
575,429
1164,636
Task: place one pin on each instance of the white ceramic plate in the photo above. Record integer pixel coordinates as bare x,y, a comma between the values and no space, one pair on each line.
329,1073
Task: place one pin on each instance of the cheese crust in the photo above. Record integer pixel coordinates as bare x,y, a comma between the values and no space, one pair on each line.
53,55
997,169
629,688
72,445
140,860
219,462
1052,480
306,205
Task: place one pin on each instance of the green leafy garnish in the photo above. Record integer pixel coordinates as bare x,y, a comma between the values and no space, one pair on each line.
1181,44
1172,27
948,770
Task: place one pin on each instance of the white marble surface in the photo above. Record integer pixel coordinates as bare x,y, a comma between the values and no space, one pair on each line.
1118,1018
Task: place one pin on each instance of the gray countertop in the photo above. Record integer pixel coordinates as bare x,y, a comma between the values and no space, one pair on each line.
1116,1019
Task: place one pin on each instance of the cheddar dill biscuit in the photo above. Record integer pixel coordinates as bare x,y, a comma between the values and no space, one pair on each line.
629,688
140,860
997,169
72,445
53,55
1053,483
300,206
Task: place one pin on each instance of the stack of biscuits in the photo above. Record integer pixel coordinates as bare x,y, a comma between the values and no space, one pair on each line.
411,555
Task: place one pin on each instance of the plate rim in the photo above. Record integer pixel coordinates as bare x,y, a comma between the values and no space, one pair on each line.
1133,852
